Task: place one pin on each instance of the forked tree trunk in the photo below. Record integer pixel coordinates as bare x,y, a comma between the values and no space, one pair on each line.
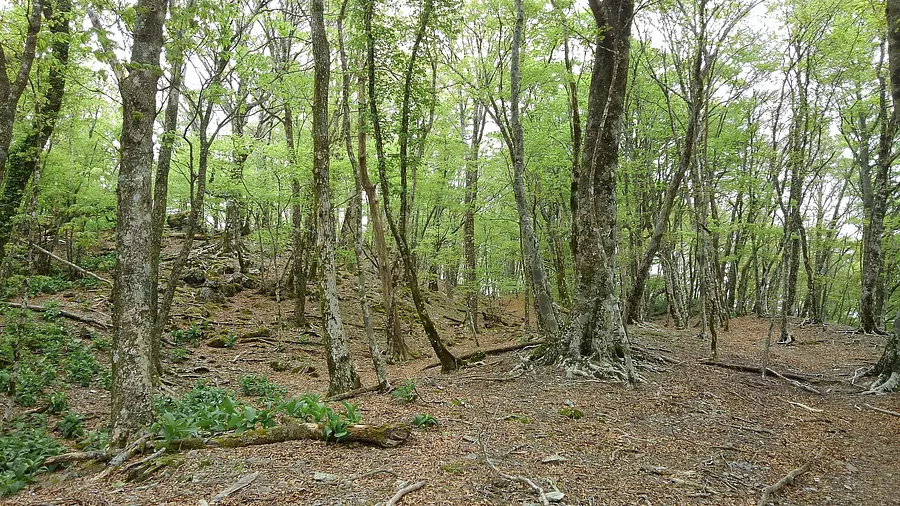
595,330
341,369
132,381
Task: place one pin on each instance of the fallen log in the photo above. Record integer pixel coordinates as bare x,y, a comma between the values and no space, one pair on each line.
492,351
354,393
63,313
385,436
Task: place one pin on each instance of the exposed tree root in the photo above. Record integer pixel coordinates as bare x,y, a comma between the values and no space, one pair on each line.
393,501
885,383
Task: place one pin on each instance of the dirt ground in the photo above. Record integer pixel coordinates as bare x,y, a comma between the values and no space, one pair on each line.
688,434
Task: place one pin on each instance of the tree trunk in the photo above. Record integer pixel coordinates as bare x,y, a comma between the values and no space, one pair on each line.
132,384
595,330
472,155
11,91
356,210
888,368
448,361
341,369
24,158
530,246
397,348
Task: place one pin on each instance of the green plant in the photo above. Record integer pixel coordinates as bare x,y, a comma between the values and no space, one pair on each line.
260,386
230,339
87,282
58,402
424,421
571,412
310,408
179,355
106,378
80,364
94,440
209,410
71,426
102,344
47,284
191,335
22,454
406,392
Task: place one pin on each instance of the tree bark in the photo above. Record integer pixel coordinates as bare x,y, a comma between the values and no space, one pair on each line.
132,383
530,246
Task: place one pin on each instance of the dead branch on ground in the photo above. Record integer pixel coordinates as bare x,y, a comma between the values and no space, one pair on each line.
882,410
786,480
515,478
61,312
793,379
78,268
403,491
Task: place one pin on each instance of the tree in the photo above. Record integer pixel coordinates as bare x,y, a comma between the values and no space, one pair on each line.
341,370
132,384
24,157
887,370
11,89
448,361
595,331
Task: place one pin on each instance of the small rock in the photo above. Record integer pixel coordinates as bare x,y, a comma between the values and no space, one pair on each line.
850,467
326,477
471,456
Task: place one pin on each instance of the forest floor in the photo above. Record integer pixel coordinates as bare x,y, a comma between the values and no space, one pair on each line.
688,434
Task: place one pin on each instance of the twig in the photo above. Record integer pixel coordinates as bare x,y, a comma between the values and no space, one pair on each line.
881,410
403,491
70,264
786,480
804,406
241,483
61,312
521,479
